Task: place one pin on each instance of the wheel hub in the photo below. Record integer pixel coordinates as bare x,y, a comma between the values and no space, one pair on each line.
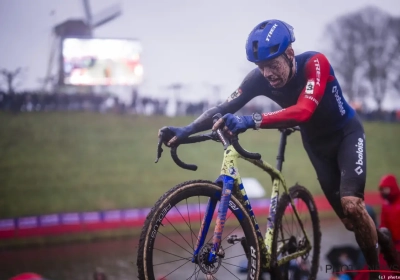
207,266
292,246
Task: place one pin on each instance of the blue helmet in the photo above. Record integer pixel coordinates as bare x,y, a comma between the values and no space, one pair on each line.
269,39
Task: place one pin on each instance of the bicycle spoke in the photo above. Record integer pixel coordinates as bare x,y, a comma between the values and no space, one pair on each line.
229,233
198,271
194,273
299,228
293,221
234,257
174,242
285,228
175,270
282,235
191,231
171,261
187,207
188,258
303,221
230,271
235,265
178,231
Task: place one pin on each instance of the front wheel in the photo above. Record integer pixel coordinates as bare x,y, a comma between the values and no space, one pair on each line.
289,237
170,234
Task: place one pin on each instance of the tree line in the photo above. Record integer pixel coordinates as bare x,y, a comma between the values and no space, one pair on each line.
364,49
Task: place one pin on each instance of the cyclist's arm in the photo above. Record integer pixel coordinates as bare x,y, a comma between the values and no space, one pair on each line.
249,88
317,72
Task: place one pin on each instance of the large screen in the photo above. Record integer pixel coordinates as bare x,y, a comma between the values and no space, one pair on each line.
95,61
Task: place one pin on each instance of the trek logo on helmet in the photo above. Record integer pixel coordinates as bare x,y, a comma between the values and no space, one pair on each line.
271,31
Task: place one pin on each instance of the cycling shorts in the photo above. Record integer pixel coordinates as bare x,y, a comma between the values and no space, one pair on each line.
339,159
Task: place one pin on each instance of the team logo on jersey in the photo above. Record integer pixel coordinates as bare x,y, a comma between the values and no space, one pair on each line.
360,156
234,95
310,87
318,70
339,101
312,99
273,113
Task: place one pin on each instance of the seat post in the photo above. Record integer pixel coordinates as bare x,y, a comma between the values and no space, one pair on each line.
281,151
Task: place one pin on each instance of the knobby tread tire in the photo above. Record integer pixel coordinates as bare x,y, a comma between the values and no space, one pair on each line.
175,195
302,193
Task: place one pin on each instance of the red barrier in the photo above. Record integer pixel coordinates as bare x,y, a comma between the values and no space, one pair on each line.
137,221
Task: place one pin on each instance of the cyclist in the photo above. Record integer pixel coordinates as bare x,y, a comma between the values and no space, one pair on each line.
306,88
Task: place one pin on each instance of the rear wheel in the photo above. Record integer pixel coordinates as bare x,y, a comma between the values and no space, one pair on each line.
289,236
169,237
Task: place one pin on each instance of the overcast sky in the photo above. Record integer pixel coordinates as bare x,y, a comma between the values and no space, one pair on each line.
194,42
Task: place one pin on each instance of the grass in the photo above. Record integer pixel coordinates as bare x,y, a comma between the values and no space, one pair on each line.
67,161
84,237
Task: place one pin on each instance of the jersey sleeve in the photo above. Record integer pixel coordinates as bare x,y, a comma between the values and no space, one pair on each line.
252,85
317,71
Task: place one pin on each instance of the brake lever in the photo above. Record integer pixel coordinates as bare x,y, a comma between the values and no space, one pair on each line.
213,136
159,147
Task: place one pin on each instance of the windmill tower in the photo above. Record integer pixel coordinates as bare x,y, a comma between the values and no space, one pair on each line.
74,28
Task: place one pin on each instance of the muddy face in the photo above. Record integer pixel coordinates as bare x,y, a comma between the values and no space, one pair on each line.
276,71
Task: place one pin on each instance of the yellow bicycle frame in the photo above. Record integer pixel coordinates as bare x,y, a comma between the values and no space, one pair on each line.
229,168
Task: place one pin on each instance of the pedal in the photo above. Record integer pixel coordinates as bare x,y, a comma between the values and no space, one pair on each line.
232,239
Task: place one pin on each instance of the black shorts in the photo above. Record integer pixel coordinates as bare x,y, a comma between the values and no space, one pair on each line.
339,160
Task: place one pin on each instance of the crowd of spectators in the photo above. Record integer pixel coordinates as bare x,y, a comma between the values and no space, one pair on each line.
41,101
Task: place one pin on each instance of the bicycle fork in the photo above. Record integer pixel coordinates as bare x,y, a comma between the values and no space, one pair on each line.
228,183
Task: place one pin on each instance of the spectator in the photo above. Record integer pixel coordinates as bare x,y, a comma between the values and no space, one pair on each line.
390,192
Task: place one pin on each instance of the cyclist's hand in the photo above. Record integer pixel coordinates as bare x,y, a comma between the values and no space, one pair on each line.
171,134
234,124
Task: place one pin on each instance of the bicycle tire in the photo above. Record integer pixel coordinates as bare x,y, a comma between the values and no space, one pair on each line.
296,192
180,193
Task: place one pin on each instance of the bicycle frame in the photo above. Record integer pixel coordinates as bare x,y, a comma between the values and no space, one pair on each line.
232,183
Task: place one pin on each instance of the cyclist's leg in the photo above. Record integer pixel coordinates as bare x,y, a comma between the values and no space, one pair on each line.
328,173
352,163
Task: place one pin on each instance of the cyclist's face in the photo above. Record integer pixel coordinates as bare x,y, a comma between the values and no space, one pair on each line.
276,71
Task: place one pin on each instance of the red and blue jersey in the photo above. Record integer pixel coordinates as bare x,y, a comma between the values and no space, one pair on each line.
312,99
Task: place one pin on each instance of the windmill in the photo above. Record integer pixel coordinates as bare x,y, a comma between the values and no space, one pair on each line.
75,28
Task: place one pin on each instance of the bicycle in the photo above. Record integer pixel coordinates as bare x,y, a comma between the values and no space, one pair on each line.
275,253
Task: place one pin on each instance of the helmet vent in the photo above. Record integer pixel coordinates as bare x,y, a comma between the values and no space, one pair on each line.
274,49
262,26
255,49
